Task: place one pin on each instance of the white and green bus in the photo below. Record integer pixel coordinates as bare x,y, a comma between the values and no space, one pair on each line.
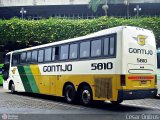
114,64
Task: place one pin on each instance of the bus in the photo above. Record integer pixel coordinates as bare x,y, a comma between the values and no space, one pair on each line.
158,71
1,77
113,65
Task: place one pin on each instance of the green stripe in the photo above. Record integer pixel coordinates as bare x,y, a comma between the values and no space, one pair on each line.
24,79
31,79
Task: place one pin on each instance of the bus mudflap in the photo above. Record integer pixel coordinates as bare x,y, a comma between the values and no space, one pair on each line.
136,94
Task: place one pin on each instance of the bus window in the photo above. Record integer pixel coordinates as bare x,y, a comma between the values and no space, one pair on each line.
84,49
28,57
53,54
73,53
64,52
48,54
34,56
56,53
112,42
23,58
40,55
106,46
15,59
96,48
158,60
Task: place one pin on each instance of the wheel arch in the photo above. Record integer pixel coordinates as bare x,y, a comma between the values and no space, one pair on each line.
81,85
10,84
67,83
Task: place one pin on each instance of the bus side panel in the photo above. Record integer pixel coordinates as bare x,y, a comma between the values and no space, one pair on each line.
45,83
104,87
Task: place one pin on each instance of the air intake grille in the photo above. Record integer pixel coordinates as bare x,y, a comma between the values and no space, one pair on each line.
103,88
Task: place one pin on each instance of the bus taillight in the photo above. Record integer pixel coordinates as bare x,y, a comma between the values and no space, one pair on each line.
141,78
123,80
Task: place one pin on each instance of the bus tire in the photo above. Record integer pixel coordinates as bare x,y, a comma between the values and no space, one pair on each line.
70,94
85,96
13,88
117,102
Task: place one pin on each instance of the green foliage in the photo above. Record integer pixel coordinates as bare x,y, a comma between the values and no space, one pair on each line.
50,30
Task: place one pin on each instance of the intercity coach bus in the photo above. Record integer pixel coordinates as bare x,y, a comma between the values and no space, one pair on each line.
114,64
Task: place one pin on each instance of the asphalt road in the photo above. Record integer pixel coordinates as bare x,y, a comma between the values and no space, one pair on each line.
25,106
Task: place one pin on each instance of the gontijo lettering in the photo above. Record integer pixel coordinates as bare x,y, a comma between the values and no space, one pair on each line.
57,68
140,51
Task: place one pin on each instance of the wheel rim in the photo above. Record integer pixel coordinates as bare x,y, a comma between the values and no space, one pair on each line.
69,95
86,96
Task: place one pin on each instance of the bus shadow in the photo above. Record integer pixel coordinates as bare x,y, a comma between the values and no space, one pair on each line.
157,97
118,108
96,105
40,96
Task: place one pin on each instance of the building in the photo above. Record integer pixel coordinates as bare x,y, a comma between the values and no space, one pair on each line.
36,9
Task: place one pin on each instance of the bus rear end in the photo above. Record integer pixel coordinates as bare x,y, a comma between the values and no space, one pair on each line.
138,79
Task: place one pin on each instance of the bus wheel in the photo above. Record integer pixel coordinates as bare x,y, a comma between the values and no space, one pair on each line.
13,88
117,102
70,94
85,95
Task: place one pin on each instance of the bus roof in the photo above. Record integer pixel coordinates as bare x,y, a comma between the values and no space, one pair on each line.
91,35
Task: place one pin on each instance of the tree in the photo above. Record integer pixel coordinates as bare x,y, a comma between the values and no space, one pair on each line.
93,4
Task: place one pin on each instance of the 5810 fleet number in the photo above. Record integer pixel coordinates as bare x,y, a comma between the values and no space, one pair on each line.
102,66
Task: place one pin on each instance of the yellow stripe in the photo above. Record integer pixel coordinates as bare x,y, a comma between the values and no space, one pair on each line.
37,76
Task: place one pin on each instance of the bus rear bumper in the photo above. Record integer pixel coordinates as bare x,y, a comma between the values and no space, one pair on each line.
136,94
